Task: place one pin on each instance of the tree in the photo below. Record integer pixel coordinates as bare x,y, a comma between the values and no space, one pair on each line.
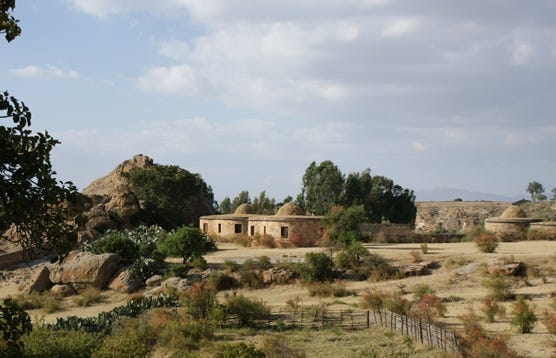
171,196
187,242
264,205
31,198
322,187
536,190
241,198
8,24
553,193
381,198
226,206
342,225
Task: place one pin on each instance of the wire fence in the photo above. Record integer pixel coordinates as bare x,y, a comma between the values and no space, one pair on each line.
432,335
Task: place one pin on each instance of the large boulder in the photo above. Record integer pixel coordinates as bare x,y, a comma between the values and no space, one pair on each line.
277,276
85,268
125,282
40,281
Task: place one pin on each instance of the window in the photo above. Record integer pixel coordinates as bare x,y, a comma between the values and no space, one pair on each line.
284,232
219,228
238,229
205,228
264,230
252,230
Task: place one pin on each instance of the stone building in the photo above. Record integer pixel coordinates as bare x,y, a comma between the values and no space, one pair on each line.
511,225
290,220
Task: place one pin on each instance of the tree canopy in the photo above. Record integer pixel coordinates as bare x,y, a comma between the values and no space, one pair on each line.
324,186
30,196
171,196
536,190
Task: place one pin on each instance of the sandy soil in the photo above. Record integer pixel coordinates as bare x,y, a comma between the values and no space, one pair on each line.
444,280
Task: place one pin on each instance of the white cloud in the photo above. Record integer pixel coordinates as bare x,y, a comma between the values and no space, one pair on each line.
400,27
522,52
175,79
49,71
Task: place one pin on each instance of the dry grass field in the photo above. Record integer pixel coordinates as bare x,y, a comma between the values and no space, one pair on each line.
539,285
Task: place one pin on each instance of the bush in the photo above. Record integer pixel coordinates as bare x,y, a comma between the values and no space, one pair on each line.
320,289
523,316
187,242
264,241
416,255
486,241
420,290
116,243
298,240
396,303
499,288
243,240
179,270
317,267
200,301
246,309
476,343
262,263
550,322
375,267
491,308
350,257
45,342
429,308
276,347
129,338
220,281
424,248
14,324
241,350
372,299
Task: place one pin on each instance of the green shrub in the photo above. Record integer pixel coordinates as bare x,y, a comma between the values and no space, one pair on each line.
179,270
46,342
199,263
116,243
498,287
424,248
241,350
200,301
350,257
375,267
243,240
523,316
320,289
420,290
186,242
250,279
14,324
220,281
261,263
246,309
396,303
486,241
129,338
317,267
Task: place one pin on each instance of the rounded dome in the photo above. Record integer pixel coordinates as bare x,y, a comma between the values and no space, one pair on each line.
290,209
513,212
244,209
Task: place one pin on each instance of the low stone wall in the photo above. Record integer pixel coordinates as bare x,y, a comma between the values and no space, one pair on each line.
509,229
546,230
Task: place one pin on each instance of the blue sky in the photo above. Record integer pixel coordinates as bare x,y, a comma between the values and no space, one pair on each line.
247,93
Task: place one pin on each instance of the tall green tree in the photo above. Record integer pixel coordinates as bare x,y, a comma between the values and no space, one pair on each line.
171,196
264,205
31,198
225,206
536,190
323,186
241,198
553,193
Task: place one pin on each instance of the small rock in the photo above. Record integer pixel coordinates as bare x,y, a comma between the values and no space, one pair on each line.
125,282
153,281
63,290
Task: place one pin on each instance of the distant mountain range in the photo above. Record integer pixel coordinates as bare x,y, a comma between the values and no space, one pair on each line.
449,194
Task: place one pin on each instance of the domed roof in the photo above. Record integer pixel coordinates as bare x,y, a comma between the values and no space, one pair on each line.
290,209
513,212
244,209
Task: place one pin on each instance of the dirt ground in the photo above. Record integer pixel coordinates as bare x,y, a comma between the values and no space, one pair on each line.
444,280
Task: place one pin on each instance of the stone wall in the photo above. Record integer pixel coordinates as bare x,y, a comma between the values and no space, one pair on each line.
547,230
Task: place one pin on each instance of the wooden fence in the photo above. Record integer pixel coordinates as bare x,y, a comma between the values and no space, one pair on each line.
434,336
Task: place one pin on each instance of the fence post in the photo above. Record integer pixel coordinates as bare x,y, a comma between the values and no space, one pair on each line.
421,330
368,319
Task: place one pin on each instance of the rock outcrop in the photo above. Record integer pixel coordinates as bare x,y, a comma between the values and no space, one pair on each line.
81,268
40,281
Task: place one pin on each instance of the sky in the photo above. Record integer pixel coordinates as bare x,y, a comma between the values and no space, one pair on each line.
431,93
